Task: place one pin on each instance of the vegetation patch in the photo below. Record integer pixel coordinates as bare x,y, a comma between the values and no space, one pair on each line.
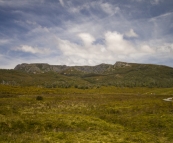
107,114
39,98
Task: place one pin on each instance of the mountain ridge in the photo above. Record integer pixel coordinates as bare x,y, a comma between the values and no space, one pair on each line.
101,68
120,74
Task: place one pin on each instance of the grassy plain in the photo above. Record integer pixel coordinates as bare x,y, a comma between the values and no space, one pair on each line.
70,115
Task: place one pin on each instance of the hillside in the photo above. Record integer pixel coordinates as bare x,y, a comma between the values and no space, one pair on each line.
106,103
120,74
42,67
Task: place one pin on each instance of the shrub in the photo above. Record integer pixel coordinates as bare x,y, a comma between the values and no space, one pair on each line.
39,98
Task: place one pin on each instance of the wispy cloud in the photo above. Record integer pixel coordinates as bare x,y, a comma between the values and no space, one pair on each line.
86,38
131,33
85,32
61,2
155,2
4,41
33,50
109,9
114,48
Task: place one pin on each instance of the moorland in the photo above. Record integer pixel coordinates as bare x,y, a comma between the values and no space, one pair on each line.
120,103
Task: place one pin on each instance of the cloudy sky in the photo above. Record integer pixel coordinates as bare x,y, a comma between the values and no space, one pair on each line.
85,32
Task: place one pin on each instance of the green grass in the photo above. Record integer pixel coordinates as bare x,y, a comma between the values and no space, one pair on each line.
8,91
105,114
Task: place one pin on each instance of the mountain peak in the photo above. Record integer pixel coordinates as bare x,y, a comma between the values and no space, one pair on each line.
122,64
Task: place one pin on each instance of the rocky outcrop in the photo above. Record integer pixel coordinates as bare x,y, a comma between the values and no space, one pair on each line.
40,67
93,69
28,68
44,67
122,64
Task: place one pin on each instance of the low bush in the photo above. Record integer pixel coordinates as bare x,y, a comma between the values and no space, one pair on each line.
39,98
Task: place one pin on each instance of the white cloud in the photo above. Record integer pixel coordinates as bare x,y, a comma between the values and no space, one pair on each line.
147,49
76,9
155,2
116,43
86,38
31,23
33,50
109,9
166,48
97,5
4,41
19,3
99,25
114,48
61,2
131,33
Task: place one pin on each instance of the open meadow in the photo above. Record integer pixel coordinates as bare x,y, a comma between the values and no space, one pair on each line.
100,115
86,71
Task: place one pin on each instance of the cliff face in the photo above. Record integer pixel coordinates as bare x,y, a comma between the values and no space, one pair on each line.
122,64
93,69
43,67
40,67
120,74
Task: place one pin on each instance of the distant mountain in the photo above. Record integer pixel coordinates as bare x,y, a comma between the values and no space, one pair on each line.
43,67
121,74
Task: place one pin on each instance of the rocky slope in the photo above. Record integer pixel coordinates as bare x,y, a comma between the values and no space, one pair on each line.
43,67
120,74
40,67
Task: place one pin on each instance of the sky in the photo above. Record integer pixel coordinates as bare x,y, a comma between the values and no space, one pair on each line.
85,32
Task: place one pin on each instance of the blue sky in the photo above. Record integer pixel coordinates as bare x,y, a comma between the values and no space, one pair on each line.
86,32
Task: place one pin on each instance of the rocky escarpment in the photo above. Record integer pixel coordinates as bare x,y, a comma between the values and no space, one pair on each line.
40,67
122,64
120,74
44,67
93,69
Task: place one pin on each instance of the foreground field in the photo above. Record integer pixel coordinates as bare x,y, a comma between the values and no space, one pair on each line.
66,116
